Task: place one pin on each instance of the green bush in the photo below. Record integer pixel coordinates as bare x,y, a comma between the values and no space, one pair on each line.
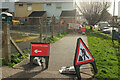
4,62
10,64
60,35
56,38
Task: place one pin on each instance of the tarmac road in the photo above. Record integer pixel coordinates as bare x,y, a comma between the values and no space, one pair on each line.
61,54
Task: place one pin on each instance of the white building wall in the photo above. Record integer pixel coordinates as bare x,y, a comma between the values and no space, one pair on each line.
7,0
8,4
67,6
51,10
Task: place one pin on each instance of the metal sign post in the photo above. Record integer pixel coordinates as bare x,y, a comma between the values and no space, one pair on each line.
40,50
119,33
83,56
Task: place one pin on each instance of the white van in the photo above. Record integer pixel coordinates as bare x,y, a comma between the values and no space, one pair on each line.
102,25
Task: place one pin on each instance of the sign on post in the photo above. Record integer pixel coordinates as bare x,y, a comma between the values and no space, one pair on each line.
83,29
115,19
40,50
83,56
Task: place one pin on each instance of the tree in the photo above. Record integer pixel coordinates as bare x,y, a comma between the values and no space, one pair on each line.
107,16
95,12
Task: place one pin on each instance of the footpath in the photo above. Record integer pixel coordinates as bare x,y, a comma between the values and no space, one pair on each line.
62,54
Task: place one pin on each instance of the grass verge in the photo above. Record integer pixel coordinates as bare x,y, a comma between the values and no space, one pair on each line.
106,56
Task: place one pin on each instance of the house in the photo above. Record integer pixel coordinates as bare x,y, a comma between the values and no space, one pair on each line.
68,16
36,16
24,7
7,6
55,7
52,7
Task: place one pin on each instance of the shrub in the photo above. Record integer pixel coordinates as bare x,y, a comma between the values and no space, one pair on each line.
16,58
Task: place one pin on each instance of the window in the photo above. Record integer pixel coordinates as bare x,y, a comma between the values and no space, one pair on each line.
48,4
29,6
58,6
20,5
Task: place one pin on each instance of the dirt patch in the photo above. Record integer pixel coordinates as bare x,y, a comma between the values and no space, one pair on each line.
23,37
26,39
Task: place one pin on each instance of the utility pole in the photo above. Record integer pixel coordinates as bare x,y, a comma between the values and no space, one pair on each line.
41,27
53,25
113,15
75,11
114,9
113,22
6,44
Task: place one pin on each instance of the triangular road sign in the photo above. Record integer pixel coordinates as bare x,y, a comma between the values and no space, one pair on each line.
82,55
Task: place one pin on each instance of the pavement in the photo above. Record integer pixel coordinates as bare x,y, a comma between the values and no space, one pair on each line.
62,54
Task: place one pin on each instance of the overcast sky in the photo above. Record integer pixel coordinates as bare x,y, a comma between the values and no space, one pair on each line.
116,7
110,9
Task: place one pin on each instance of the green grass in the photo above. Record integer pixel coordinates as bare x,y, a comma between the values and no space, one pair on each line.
16,58
94,29
105,55
56,38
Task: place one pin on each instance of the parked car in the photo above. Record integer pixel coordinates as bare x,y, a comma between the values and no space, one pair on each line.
102,25
106,30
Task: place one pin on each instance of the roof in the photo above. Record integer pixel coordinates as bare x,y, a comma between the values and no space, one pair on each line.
68,13
37,14
8,14
45,1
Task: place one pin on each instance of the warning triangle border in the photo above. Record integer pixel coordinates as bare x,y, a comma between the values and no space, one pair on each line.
77,53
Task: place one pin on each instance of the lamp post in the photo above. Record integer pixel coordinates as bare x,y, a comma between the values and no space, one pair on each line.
113,15
114,9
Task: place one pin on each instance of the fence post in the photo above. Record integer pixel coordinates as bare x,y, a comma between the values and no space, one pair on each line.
59,27
6,43
41,26
53,24
119,34
63,28
46,27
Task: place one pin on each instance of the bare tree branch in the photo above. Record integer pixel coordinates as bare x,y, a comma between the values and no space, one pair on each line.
94,11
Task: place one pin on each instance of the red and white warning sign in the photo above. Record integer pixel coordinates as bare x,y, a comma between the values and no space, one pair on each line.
82,53
83,56
83,29
38,49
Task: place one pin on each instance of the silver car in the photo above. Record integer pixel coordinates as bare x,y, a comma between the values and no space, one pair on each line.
106,30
